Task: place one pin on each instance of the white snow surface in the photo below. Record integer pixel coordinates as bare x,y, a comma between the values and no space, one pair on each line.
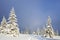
25,37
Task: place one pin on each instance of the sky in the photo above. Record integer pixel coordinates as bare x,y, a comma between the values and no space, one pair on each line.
32,14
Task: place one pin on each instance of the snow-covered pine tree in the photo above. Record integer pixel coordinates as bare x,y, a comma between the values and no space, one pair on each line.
3,25
34,32
49,32
38,31
26,30
56,33
14,30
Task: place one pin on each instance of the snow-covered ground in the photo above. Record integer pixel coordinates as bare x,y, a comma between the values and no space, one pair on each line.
25,37
21,37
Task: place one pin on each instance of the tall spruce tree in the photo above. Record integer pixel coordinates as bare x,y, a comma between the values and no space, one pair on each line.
14,30
49,32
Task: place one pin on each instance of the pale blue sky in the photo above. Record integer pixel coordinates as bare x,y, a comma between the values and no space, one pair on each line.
32,13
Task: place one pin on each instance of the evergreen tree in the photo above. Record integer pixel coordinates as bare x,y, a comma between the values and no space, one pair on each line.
49,32
13,23
26,30
3,25
38,31
56,33
34,33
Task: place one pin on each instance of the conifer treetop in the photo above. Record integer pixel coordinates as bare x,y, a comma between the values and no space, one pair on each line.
49,22
3,21
12,17
12,12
